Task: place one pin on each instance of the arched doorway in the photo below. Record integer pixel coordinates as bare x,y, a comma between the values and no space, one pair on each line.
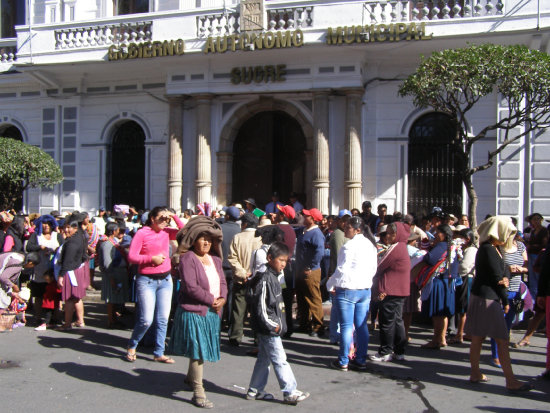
126,174
433,174
269,155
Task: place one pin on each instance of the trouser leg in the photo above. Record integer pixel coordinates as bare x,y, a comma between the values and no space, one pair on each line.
238,312
314,300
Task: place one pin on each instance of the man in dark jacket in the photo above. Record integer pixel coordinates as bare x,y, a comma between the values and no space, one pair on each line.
310,248
267,312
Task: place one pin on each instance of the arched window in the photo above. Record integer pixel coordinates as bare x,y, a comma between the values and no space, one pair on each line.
433,174
10,131
126,173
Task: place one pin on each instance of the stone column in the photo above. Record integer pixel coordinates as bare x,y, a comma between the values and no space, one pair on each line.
203,183
321,157
353,148
175,156
224,189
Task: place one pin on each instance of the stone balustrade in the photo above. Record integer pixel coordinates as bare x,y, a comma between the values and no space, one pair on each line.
88,36
220,24
392,11
227,22
8,49
289,18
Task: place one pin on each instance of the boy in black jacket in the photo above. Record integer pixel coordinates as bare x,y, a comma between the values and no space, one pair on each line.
268,321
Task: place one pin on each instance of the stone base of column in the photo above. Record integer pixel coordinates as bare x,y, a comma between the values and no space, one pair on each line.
320,196
353,195
204,192
174,194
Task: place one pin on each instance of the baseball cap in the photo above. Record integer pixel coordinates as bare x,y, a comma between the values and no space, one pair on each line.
287,211
344,212
233,213
313,213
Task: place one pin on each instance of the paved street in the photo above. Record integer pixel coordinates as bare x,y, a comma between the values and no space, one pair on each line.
83,370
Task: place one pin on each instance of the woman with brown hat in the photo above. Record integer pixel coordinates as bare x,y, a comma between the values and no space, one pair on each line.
196,330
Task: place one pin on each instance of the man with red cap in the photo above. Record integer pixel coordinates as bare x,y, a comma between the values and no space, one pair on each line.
310,248
285,215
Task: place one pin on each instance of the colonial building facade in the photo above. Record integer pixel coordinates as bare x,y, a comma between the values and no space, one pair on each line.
149,102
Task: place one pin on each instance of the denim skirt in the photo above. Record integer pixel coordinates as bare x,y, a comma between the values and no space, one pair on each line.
196,336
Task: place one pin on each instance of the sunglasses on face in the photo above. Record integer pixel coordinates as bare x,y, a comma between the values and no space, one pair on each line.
164,219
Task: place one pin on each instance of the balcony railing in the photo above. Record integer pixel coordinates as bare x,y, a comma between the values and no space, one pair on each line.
220,24
8,49
403,10
121,33
290,18
228,22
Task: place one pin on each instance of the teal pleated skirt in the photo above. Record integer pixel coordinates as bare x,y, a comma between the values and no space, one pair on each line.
195,336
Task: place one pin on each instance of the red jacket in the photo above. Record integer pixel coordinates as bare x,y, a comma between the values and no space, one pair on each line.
394,270
52,296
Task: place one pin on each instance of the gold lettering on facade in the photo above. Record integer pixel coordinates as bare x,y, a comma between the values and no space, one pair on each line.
258,74
147,50
254,41
392,32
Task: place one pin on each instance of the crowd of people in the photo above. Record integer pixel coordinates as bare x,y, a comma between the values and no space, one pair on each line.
210,268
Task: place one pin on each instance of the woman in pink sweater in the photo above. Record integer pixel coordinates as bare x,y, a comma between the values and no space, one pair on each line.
150,250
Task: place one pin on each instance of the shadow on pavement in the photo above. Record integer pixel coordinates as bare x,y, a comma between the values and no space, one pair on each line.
151,382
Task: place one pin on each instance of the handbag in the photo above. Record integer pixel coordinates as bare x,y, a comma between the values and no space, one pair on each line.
517,304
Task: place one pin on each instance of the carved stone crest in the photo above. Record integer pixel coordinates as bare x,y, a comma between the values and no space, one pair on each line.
252,15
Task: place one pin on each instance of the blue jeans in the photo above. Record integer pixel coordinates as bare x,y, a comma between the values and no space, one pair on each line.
155,299
270,350
334,326
353,309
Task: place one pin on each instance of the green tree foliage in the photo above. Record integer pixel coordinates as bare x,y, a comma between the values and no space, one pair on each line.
24,166
454,81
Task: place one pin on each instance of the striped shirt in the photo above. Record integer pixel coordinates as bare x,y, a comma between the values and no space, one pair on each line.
514,258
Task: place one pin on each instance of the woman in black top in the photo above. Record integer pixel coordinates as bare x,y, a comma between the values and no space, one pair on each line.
489,299
73,273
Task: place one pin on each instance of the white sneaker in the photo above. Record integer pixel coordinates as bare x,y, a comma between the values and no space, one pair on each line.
41,327
295,397
398,357
380,357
